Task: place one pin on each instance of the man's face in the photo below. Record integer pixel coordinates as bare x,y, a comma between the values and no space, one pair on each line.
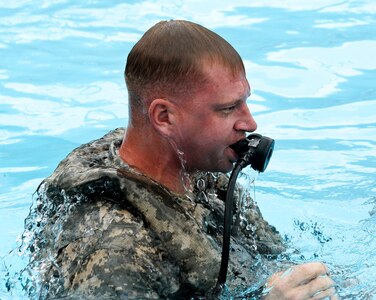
213,119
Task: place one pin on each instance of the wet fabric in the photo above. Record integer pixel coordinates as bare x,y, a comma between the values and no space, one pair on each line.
100,228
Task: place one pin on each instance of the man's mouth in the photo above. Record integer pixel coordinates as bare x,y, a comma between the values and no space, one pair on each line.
233,156
239,146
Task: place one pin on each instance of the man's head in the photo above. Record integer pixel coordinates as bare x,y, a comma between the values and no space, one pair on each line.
188,90
167,62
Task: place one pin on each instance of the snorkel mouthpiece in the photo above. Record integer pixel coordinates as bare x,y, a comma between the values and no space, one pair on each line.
255,150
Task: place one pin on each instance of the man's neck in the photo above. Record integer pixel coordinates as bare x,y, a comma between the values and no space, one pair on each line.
159,161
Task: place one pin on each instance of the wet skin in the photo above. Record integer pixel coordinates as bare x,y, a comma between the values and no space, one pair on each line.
216,117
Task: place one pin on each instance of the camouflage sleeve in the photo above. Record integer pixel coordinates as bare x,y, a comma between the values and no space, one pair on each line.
105,250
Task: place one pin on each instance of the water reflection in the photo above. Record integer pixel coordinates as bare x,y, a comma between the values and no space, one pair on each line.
312,72
39,114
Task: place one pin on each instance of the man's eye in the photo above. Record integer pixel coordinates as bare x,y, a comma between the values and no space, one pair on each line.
229,109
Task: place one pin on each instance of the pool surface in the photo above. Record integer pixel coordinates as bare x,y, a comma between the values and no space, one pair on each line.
312,68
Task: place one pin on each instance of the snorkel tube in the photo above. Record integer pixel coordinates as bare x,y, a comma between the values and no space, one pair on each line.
255,150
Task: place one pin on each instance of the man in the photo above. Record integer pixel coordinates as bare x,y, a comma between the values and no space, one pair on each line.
141,216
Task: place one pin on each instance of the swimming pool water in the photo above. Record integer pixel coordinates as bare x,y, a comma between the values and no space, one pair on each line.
312,68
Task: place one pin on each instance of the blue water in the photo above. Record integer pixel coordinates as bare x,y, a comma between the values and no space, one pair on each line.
312,68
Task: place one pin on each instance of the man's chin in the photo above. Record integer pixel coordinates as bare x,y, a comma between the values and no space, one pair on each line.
223,165
227,167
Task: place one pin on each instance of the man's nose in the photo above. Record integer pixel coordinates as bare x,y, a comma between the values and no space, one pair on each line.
246,121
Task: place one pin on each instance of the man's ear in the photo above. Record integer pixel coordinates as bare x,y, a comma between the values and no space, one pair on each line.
162,114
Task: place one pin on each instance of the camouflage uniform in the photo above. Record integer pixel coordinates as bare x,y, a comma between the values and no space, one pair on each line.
104,230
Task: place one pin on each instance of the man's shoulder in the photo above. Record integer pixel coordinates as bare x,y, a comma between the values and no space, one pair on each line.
88,162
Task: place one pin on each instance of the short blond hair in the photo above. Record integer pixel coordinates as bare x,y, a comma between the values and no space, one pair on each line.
167,60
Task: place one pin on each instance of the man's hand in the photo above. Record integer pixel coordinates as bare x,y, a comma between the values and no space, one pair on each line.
306,281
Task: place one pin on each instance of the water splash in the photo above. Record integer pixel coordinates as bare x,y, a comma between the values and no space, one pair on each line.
246,203
185,176
27,265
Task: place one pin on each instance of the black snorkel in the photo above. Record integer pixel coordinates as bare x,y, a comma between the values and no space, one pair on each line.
255,150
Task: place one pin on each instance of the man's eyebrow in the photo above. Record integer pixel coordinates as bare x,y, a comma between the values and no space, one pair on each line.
233,102
243,98
229,103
